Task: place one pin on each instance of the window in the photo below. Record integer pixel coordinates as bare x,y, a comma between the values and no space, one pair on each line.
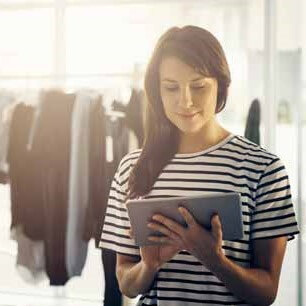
27,42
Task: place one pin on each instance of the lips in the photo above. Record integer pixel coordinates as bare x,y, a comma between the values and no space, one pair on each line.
187,115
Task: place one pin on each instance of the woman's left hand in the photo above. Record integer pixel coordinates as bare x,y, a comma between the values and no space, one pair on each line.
203,244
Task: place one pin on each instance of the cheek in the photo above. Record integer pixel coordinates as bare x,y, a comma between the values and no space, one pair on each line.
168,102
169,97
167,109
206,101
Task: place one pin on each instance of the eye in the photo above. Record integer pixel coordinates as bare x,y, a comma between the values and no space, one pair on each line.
198,87
171,88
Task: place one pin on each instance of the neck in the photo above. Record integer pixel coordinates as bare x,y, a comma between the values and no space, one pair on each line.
211,134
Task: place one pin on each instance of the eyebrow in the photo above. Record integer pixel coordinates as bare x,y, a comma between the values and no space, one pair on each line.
194,80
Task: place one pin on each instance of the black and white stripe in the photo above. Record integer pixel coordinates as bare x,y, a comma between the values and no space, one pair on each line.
236,164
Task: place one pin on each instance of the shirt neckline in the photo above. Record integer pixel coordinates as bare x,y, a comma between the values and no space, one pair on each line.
212,148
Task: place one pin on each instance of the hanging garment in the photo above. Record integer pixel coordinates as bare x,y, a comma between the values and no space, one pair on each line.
98,189
30,261
34,125
25,206
133,114
119,132
253,123
102,171
100,177
6,110
51,147
76,246
4,136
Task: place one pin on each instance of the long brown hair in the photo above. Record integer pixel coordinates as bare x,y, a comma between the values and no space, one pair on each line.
201,50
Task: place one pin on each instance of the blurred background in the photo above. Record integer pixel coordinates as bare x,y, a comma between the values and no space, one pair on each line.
103,46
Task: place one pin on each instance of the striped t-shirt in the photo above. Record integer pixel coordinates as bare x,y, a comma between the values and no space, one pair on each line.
234,164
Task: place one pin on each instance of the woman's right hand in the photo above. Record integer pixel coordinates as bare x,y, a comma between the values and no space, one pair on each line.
154,256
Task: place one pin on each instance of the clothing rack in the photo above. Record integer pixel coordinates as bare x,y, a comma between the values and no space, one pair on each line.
64,76
134,76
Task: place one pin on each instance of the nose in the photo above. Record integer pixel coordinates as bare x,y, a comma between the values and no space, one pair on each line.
185,100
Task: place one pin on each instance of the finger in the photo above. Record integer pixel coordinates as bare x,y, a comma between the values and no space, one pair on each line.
164,230
216,227
162,240
187,216
173,226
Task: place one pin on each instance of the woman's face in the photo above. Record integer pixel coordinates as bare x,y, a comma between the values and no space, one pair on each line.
189,98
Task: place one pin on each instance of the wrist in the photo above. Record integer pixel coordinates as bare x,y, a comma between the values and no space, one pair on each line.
215,262
219,263
150,268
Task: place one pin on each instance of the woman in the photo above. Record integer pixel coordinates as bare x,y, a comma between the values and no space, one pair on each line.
187,152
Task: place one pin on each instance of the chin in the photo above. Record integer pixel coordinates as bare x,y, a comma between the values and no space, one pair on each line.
189,129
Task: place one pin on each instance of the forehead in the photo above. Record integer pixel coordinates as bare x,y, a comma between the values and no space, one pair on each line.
174,68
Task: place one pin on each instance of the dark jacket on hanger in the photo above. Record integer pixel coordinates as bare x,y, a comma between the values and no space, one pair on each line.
101,172
133,114
100,178
25,201
51,147
97,178
252,129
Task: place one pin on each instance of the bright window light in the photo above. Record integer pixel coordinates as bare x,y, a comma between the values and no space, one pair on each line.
27,42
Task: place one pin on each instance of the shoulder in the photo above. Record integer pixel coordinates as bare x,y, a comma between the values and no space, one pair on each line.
252,150
267,164
127,162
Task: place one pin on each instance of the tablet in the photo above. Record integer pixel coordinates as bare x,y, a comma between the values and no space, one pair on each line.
226,205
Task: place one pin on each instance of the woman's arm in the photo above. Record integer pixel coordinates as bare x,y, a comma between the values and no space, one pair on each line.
256,285
134,277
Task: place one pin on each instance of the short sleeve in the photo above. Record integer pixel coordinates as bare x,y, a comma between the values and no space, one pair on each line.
274,214
115,234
